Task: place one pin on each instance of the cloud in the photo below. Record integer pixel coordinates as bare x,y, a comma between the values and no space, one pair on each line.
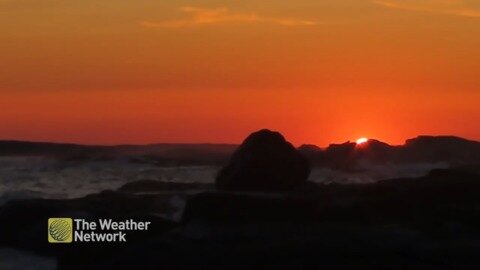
451,7
204,16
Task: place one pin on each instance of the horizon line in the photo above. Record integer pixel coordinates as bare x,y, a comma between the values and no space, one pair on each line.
216,143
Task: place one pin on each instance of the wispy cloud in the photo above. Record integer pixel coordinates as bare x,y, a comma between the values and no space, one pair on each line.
451,7
204,16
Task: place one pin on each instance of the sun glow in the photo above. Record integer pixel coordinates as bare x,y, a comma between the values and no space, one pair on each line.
362,140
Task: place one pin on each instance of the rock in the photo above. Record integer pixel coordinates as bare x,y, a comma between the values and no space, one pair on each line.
313,153
429,222
239,208
265,161
450,149
340,156
309,149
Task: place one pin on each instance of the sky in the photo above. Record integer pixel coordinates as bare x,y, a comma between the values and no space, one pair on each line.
320,72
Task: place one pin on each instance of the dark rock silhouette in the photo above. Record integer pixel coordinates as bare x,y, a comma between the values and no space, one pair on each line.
375,151
265,161
346,156
340,156
314,154
309,148
422,149
429,222
439,149
247,208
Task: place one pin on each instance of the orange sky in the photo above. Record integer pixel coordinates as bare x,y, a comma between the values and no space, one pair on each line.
147,71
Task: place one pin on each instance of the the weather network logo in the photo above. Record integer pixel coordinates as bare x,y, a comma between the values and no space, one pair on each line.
68,230
60,230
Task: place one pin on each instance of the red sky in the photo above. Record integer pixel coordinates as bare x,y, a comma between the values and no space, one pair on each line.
108,72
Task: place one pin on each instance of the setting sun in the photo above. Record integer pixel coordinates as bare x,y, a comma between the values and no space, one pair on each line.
213,71
362,140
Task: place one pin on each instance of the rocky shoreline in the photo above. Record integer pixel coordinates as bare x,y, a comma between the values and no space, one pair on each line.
430,222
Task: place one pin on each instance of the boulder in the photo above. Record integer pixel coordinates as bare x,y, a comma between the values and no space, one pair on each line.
264,162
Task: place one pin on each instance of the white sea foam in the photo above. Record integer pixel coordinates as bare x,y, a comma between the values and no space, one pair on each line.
39,177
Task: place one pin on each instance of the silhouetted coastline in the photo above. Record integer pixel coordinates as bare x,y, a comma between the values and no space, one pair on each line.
428,222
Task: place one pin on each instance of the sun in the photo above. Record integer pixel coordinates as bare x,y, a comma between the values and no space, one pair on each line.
362,140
